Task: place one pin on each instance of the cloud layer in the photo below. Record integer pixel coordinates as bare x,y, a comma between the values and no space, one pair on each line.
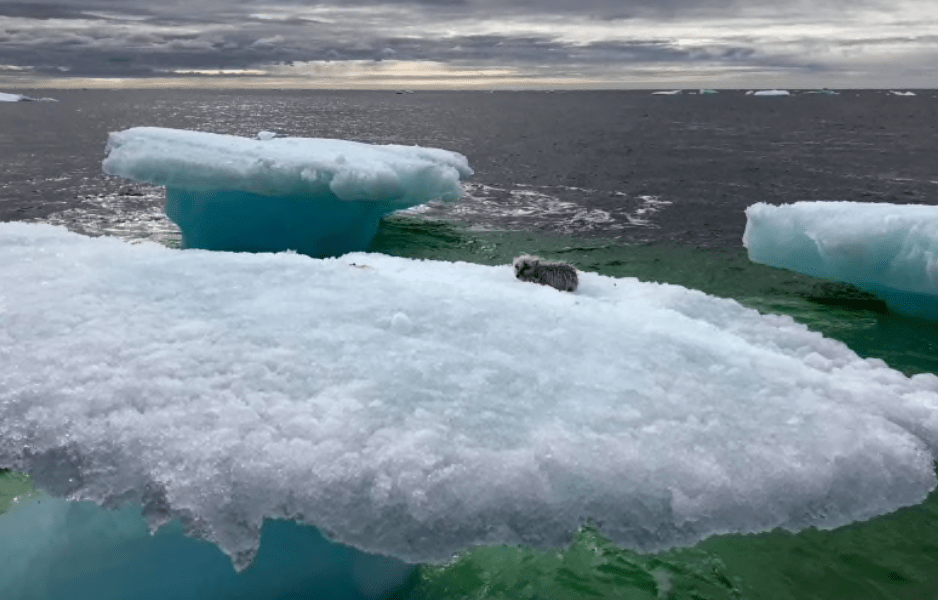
483,43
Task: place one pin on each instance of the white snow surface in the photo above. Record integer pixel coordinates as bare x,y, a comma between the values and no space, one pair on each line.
418,408
4,97
890,250
282,166
772,93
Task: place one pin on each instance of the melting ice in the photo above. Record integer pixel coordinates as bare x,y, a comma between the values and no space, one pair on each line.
319,197
888,250
418,408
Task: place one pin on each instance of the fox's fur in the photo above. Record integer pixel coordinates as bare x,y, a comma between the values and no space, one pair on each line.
559,275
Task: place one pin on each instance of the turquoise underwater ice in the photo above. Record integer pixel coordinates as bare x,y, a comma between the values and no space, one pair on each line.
55,549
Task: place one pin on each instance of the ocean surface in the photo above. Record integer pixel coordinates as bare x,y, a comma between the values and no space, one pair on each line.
620,183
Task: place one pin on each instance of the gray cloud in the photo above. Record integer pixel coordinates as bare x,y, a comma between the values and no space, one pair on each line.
132,38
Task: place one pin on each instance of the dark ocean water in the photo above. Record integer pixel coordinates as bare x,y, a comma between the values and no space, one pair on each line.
621,183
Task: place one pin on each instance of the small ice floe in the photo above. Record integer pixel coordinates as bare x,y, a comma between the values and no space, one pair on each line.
900,93
707,92
558,275
772,93
268,135
887,250
14,98
666,93
320,197
823,92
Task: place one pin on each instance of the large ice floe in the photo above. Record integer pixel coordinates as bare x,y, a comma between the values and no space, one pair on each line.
888,250
320,197
416,408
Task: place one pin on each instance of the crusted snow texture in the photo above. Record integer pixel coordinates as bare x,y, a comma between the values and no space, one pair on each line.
419,408
400,176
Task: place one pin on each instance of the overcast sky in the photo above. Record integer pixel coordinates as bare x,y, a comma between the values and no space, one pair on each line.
470,43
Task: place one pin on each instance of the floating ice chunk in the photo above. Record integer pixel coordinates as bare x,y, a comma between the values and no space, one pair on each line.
706,92
53,549
316,196
666,93
267,135
418,408
772,93
888,250
898,93
14,98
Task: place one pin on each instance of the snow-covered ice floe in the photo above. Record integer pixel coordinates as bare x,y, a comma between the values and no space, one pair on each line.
901,93
888,250
666,93
4,97
418,408
772,93
319,197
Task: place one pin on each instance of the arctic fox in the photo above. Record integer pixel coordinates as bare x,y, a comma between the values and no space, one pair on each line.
559,275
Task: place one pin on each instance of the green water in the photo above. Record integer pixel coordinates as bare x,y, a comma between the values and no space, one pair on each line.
891,557
13,488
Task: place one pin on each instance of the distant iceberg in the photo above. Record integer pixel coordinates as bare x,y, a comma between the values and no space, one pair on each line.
14,98
888,250
772,93
418,408
667,93
319,197
898,93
